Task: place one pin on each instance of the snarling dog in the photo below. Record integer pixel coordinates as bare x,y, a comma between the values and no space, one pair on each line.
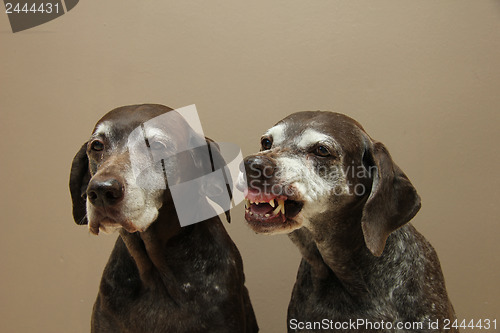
160,277
342,200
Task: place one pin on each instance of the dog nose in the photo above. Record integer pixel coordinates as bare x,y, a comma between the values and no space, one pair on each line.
259,168
106,192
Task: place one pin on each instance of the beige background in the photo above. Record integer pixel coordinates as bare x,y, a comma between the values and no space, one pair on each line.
421,76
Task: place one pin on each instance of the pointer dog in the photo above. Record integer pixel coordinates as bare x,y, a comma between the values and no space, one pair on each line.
346,205
160,277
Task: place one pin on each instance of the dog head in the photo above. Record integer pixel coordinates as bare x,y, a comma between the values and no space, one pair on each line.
120,178
318,168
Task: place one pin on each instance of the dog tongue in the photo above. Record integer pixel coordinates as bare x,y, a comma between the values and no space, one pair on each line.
262,208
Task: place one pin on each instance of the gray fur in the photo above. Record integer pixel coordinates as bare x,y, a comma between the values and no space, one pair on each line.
361,259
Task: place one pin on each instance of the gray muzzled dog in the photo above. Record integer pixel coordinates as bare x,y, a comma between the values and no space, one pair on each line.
160,277
346,205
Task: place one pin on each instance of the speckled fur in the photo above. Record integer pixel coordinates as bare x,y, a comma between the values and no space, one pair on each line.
404,284
162,278
361,257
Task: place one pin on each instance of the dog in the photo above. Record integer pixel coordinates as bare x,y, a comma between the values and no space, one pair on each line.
346,205
160,277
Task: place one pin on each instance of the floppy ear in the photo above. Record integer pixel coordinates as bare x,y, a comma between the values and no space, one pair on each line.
219,194
78,180
208,160
393,200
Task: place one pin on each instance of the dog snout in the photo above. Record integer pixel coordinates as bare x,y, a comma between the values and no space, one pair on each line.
259,169
105,192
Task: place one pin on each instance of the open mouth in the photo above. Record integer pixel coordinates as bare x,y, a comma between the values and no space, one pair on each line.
270,209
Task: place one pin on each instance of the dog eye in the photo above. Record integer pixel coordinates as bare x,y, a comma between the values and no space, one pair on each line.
156,145
97,145
266,144
322,151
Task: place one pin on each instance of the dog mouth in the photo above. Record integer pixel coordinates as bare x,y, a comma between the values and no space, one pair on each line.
109,220
108,225
270,210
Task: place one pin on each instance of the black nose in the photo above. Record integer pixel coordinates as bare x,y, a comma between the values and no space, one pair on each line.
107,192
260,169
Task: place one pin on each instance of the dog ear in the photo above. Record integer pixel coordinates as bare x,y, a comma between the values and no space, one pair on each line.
393,200
215,192
208,160
78,181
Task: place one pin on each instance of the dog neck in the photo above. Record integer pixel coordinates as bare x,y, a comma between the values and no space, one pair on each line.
166,225
148,250
334,250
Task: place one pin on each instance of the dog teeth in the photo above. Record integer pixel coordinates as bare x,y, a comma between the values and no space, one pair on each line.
281,204
279,208
277,204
